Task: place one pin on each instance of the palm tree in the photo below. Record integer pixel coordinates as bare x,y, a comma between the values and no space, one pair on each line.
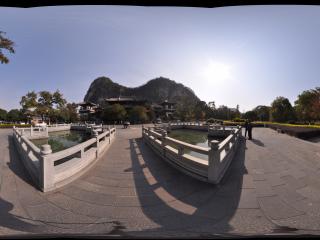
6,44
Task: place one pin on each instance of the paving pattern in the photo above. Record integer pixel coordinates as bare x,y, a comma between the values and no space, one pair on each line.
272,186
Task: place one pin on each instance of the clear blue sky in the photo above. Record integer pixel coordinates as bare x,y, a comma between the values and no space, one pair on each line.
245,55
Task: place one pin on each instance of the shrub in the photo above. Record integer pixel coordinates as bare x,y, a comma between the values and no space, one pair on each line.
10,125
239,120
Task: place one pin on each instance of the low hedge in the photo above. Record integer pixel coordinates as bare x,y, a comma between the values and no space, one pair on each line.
296,130
300,132
10,125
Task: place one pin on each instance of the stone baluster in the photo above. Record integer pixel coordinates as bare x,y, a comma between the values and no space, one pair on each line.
46,168
180,151
214,162
163,138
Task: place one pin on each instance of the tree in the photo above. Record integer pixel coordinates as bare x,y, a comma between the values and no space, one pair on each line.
138,114
282,110
67,113
115,112
262,112
307,106
6,44
15,115
44,103
251,115
29,101
200,110
3,115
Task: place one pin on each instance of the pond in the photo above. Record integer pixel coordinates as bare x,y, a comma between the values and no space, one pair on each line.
195,137
63,139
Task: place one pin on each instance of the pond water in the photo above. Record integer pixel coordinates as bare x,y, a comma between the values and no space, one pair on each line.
195,137
63,139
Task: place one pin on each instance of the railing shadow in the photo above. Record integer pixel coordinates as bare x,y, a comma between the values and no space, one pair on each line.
180,203
16,165
257,142
7,219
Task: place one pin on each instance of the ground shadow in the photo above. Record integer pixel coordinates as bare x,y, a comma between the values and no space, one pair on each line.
16,165
11,220
14,222
257,142
202,206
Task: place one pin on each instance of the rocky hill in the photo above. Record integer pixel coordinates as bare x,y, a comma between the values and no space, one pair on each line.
155,90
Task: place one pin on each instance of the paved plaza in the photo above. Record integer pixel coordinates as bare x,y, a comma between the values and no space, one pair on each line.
272,186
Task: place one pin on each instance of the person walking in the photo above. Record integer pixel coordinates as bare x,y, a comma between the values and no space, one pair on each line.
250,130
246,128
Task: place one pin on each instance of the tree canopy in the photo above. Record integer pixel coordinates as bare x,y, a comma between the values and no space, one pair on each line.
5,44
282,110
307,105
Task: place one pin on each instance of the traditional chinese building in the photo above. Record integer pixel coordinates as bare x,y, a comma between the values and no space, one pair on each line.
127,102
168,108
88,110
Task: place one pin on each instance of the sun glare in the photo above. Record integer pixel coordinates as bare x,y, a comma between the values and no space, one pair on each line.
217,72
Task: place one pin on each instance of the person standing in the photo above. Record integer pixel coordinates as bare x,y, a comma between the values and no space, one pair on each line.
246,128
250,130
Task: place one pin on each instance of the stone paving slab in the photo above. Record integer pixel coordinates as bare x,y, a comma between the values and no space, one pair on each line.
275,208
273,183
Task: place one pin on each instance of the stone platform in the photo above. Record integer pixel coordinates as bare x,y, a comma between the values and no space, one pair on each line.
271,187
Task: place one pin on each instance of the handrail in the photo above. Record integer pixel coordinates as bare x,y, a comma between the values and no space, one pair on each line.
189,146
72,150
46,172
219,155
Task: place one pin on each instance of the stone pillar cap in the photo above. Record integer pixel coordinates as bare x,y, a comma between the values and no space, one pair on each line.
46,149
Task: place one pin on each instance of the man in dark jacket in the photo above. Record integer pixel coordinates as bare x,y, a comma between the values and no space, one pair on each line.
250,130
246,128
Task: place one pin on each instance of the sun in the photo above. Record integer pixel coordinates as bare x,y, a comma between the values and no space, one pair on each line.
217,72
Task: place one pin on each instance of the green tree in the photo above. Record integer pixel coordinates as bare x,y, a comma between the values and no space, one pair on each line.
307,106
14,115
115,112
262,112
251,115
29,101
200,111
67,113
3,115
138,114
44,103
5,44
282,110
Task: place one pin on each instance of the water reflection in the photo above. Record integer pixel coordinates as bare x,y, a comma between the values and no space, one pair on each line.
63,139
195,137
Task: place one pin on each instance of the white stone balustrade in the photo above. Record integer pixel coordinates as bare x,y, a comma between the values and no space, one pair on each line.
219,155
53,170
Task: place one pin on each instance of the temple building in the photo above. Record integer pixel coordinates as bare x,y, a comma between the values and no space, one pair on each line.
127,102
88,110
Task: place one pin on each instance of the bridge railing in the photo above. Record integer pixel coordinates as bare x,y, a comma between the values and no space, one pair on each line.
52,170
219,155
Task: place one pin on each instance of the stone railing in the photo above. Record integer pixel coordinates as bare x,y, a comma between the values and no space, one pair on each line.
219,155
34,132
53,170
211,128
59,127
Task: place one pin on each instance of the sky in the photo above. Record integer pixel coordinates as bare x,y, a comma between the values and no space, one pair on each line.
246,55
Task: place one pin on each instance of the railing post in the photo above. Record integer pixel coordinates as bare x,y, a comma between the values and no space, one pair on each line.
240,132
180,151
163,139
109,129
214,162
46,169
31,131
97,146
